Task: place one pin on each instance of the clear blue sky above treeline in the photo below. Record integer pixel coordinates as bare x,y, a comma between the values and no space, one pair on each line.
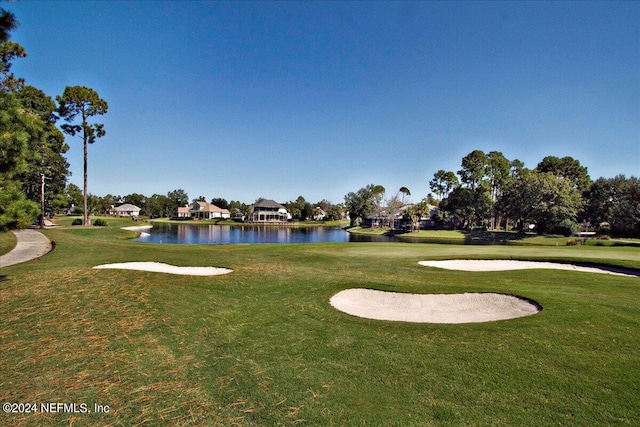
242,100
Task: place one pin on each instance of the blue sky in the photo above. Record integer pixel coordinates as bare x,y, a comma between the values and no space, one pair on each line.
242,100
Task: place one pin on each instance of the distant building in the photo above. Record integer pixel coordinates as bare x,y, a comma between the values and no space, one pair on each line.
319,214
269,211
184,212
127,210
401,219
201,209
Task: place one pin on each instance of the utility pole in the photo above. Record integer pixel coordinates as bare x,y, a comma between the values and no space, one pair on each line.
42,178
41,200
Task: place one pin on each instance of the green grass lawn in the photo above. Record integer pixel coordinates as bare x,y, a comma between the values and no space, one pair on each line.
7,242
262,346
487,237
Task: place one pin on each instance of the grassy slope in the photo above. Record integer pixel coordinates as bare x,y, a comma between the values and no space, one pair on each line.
7,242
262,346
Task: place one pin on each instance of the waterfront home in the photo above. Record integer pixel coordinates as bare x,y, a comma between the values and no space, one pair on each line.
401,219
319,214
127,210
201,209
184,212
269,211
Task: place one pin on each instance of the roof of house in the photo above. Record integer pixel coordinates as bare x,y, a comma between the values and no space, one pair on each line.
268,203
207,207
127,207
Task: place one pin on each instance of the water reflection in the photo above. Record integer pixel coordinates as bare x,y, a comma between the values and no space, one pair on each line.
232,234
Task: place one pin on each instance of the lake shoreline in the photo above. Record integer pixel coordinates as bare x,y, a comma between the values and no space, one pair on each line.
188,232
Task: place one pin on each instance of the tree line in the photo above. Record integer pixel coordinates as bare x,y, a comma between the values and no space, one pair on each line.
166,206
33,169
490,191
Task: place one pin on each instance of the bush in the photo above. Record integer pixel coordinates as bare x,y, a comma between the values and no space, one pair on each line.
77,221
100,222
567,227
575,242
604,229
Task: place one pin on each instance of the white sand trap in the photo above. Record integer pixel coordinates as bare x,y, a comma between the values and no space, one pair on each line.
432,308
504,265
158,267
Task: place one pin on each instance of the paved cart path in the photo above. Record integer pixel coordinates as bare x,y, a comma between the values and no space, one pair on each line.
31,245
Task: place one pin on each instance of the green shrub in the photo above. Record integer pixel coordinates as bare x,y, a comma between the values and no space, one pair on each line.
604,229
100,222
567,227
576,241
77,221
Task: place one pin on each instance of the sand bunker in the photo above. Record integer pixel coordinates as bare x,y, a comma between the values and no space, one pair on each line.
432,308
504,265
158,267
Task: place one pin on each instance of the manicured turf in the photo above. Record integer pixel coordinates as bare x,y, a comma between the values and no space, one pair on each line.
7,242
262,346
483,237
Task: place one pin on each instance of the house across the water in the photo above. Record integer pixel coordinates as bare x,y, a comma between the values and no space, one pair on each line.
201,209
268,211
127,210
401,220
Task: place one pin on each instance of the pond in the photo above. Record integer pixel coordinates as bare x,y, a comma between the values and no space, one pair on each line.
236,234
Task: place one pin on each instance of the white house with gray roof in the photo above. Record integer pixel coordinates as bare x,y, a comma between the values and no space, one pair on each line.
269,211
201,209
127,210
